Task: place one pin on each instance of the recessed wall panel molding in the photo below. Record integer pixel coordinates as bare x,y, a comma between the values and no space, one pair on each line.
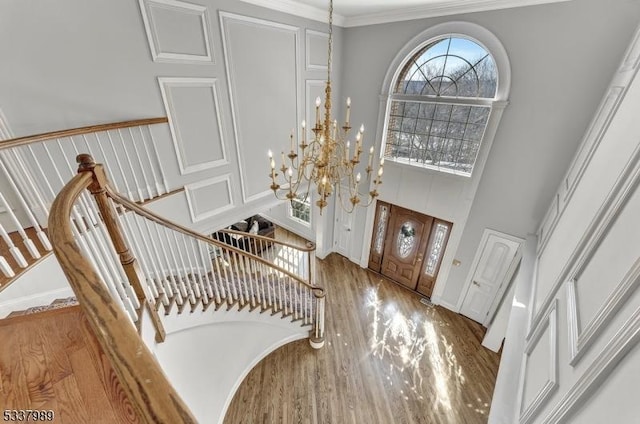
595,234
313,88
632,57
589,145
195,121
262,63
611,254
540,371
316,47
177,31
209,197
596,373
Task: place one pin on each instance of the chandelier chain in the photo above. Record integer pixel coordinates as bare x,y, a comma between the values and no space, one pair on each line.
330,50
327,159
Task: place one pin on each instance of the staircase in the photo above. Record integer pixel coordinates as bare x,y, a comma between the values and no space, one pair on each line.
56,304
134,272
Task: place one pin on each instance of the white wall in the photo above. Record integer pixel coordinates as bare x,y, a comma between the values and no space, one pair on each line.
562,57
207,355
584,315
43,283
232,84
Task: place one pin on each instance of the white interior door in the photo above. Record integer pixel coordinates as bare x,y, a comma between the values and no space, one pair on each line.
342,231
495,263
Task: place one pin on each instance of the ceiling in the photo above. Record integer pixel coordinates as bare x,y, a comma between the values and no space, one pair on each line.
366,12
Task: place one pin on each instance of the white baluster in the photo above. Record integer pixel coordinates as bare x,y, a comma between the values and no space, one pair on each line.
33,251
133,170
132,242
6,268
15,252
28,184
122,173
142,166
151,165
155,259
42,236
157,154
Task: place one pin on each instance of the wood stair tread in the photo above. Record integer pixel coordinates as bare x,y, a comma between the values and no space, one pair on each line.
17,241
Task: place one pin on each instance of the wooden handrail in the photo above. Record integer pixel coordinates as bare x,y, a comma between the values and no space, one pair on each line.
142,378
309,247
134,207
21,141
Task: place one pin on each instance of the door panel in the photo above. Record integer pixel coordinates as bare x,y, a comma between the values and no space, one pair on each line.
342,231
405,243
496,258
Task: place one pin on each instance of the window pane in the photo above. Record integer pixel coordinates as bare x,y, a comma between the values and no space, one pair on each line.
452,66
442,134
301,208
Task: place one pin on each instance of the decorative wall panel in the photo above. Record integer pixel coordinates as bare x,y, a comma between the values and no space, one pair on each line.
612,255
263,74
177,31
195,122
209,197
316,46
540,369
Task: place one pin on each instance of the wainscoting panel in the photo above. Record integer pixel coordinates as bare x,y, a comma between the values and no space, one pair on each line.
313,88
316,46
177,31
195,122
607,271
262,60
209,197
540,371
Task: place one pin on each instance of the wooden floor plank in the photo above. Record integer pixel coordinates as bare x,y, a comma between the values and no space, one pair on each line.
388,359
51,360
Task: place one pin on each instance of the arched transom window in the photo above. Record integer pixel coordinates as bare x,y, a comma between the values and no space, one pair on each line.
440,104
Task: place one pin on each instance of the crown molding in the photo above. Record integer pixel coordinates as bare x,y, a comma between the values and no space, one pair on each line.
444,8
296,8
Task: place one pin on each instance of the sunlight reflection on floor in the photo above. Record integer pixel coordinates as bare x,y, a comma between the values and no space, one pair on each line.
414,351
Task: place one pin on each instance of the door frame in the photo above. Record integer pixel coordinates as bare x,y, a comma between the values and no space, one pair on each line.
474,265
338,213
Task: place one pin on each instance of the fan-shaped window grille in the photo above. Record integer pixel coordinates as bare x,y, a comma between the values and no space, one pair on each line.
440,105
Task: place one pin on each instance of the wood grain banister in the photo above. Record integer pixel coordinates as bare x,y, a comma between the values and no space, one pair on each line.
21,141
140,375
309,246
134,207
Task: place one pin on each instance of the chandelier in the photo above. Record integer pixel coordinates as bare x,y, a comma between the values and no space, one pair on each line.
326,160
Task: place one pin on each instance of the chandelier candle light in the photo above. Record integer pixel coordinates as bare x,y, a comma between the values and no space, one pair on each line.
327,160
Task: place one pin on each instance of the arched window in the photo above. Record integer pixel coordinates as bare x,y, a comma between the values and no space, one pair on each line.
439,105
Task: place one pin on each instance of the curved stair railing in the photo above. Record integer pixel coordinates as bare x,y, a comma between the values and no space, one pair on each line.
124,262
300,260
37,167
140,375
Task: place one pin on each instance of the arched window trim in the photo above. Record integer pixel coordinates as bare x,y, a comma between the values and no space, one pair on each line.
460,29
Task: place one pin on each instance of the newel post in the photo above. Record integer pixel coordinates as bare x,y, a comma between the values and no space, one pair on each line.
109,217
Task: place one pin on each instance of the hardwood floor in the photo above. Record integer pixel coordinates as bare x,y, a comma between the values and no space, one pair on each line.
387,359
52,361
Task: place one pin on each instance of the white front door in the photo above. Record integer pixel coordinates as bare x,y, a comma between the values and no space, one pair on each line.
492,269
342,231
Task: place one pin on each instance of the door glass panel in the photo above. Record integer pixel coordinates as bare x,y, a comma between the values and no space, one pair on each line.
406,241
380,229
435,250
